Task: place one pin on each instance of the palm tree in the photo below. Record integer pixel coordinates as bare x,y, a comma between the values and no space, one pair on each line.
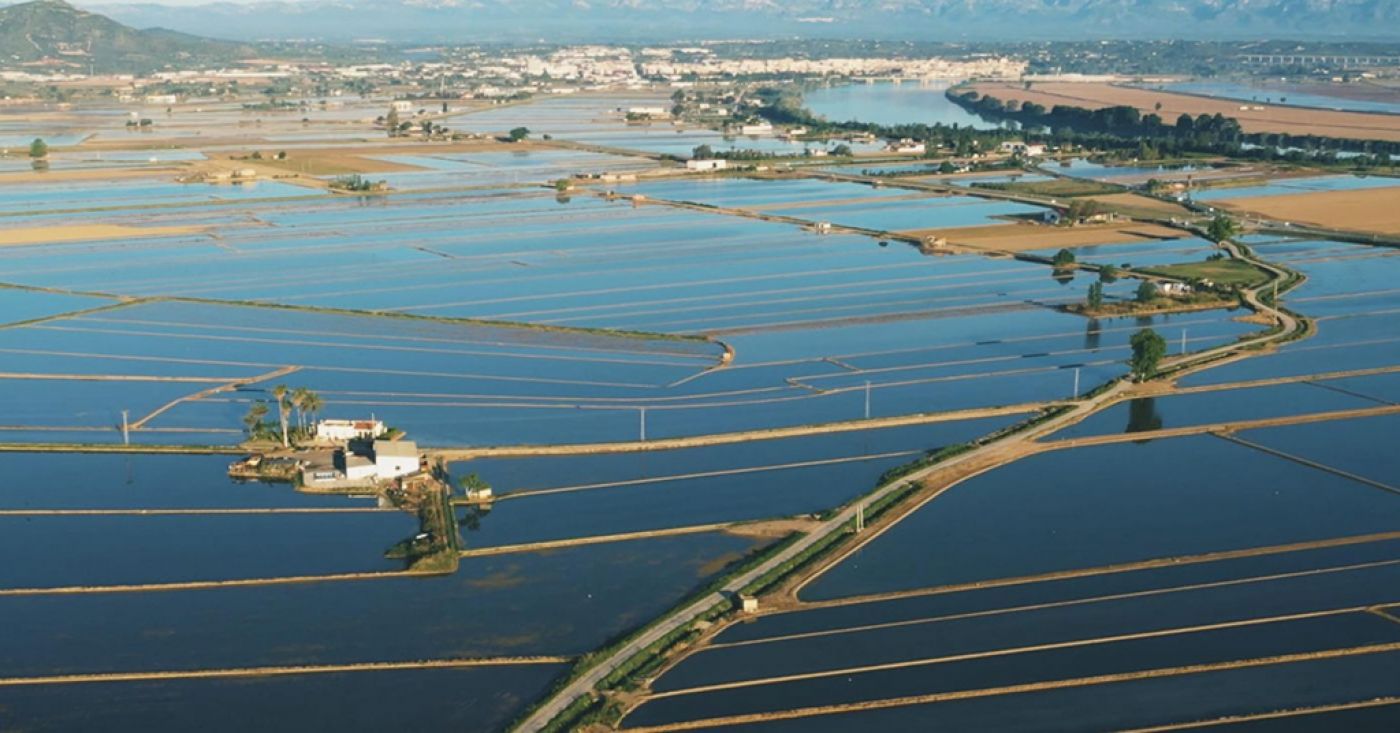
252,421
299,396
312,403
280,392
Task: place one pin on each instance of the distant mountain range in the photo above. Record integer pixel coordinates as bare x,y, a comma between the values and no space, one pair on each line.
55,34
484,21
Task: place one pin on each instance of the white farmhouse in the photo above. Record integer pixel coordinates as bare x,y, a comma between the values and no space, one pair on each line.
342,431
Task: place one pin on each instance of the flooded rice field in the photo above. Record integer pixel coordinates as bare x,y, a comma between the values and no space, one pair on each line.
1098,634
1139,703
137,549
541,498
600,120
563,602
1114,580
887,103
454,384
1208,408
1286,186
469,699
1345,557
503,168
1151,500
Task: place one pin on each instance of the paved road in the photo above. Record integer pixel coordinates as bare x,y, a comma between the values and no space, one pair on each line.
589,680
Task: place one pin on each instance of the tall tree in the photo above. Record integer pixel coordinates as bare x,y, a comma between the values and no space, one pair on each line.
1095,295
312,404
38,149
1148,349
391,121
1222,228
298,401
253,421
280,393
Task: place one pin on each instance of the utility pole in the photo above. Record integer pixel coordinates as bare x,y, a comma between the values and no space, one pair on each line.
1183,341
1076,383
860,518
867,399
643,413
126,430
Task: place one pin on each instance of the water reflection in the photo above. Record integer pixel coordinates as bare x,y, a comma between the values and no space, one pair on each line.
1093,332
1143,416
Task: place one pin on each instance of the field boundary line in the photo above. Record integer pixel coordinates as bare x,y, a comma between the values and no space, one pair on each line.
906,701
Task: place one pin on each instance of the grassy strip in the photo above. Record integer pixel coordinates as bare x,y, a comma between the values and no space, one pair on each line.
798,561
924,461
1067,187
1221,272
653,656
519,325
74,314
574,716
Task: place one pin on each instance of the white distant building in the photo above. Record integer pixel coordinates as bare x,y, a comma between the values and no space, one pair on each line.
906,146
401,105
1174,289
762,128
647,111
161,99
341,431
708,164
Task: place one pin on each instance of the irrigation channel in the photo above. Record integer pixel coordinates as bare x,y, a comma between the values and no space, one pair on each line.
935,479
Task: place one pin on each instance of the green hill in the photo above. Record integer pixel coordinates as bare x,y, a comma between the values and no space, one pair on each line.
52,32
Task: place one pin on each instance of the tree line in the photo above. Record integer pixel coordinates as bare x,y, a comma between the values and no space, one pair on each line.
1125,126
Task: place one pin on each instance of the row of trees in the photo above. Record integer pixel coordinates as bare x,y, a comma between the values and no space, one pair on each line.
1120,130
1127,128
299,404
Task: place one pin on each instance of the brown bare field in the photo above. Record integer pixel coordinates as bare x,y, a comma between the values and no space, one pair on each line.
85,174
329,163
84,232
1272,118
1025,237
1367,210
345,160
773,527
